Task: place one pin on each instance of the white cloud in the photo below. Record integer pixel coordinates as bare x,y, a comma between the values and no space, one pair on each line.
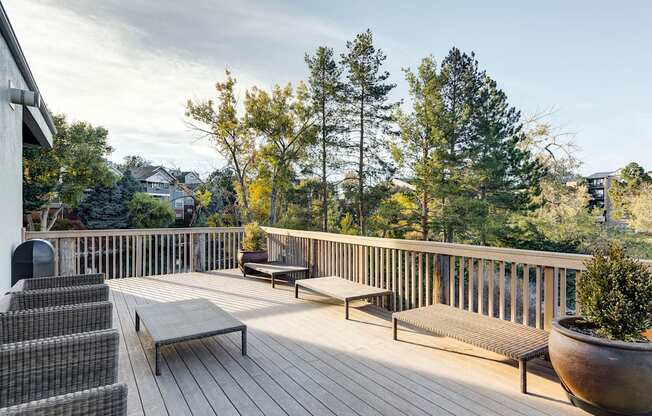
93,72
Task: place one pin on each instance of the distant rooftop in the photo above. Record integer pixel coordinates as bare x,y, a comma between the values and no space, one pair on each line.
599,175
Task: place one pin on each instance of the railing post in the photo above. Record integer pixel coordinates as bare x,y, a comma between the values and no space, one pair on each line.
198,252
548,297
67,256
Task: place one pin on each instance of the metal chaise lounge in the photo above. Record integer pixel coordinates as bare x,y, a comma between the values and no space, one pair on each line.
516,341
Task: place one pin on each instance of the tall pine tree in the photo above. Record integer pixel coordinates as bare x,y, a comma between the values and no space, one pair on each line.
325,90
369,112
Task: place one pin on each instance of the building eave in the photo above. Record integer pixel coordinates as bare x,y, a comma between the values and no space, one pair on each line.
9,35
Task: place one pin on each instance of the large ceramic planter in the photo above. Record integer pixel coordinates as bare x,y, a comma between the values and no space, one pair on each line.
251,257
601,376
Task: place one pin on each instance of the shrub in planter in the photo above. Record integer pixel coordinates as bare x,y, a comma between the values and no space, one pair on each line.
616,296
254,245
602,358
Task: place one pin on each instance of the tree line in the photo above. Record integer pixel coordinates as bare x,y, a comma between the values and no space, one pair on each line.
454,162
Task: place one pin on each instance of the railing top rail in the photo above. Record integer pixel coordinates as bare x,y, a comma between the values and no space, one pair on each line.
540,258
135,231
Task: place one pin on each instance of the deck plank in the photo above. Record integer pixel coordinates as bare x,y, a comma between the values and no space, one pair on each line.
303,359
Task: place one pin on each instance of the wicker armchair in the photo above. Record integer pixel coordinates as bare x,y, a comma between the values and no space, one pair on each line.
102,401
58,281
43,298
42,368
29,324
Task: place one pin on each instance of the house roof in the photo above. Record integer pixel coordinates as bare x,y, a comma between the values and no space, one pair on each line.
599,175
9,36
144,172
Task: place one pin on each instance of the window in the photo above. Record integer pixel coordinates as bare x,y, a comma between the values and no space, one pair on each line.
178,203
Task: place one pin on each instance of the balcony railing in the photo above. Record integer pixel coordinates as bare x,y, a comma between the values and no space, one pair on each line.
523,286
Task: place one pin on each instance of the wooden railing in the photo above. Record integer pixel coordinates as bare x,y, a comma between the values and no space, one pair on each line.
142,252
523,286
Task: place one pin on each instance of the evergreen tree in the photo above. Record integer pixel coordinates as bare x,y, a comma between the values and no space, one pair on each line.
106,207
369,112
419,136
325,90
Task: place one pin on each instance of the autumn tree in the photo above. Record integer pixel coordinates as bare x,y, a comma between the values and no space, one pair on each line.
325,91
229,133
283,119
75,163
369,112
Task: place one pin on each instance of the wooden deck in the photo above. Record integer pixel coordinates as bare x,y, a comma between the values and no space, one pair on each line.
304,359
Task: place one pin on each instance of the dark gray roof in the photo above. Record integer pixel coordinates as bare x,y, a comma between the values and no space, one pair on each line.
599,175
9,36
144,172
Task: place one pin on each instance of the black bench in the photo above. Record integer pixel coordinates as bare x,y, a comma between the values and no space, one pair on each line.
516,341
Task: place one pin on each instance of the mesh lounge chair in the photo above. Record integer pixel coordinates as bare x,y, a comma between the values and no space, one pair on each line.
43,298
102,401
58,281
42,368
29,324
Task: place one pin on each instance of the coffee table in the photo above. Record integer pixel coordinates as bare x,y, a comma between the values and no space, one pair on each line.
172,322
274,270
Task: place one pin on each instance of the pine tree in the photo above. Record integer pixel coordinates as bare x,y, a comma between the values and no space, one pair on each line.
106,207
419,135
325,90
369,112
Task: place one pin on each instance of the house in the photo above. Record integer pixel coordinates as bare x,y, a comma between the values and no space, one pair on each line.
24,121
598,186
161,183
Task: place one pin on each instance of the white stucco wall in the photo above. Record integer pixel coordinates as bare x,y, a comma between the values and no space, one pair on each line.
11,149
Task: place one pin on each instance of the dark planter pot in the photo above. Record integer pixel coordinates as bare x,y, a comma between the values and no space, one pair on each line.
601,376
251,257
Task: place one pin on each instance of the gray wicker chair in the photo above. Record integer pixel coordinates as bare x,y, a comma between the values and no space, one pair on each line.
102,401
58,281
29,324
43,298
42,368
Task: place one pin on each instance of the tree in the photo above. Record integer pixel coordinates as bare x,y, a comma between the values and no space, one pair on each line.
147,211
228,132
75,163
420,135
223,205
640,208
107,207
325,92
133,161
285,122
625,189
369,112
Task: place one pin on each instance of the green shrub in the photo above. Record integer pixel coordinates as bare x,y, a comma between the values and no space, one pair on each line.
255,238
616,295
147,211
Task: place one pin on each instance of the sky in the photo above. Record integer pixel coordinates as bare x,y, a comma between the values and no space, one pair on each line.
131,65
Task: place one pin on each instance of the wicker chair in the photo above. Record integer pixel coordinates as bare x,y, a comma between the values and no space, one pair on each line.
43,298
102,401
29,324
58,281
42,368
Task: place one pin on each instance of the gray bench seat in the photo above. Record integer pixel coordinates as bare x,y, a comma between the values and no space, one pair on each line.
512,340
341,289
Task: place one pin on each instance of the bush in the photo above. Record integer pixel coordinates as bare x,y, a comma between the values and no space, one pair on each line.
148,212
255,238
616,295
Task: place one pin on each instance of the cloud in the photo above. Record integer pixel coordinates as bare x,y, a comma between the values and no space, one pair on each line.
130,66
